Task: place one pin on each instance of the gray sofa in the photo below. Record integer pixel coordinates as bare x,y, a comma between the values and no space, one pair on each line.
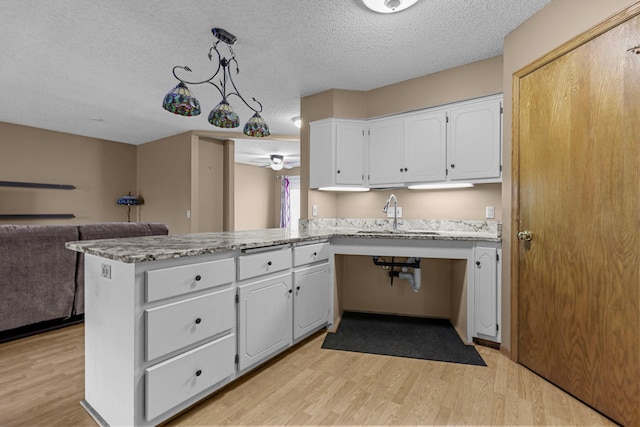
40,279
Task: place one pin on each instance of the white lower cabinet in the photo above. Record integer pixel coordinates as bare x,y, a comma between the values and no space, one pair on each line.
487,286
311,299
175,380
264,319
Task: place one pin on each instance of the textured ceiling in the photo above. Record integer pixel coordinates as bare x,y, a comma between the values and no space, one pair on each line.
101,68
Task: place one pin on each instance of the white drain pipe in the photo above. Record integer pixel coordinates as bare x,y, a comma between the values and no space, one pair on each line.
414,278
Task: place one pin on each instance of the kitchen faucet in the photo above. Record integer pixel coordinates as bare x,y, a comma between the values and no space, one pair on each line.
395,209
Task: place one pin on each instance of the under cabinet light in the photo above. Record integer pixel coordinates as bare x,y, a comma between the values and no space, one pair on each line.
343,189
442,186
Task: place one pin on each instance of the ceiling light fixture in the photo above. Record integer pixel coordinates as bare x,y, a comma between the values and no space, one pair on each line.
388,6
297,121
182,102
277,162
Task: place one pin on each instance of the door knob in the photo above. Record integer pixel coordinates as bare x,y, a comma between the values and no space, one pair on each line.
525,235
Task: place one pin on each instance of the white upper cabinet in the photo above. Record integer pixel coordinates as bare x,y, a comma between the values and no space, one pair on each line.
426,147
386,151
453,143
337,153
474,149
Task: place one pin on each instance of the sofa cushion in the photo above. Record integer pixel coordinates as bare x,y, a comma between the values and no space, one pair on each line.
37,273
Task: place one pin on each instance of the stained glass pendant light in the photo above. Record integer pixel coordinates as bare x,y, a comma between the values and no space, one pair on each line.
181,101
257,127
223,116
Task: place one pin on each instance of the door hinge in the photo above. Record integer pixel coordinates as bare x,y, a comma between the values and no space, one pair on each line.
237,298
237,359
501,110
497,257
446,171
497,328
447,118
500,168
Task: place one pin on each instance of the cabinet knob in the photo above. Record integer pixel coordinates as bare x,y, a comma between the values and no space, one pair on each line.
477,262
405,169
269,263
198,320
198,372
297,288
198,278
452,166
315,254
290,291
400,169
338,171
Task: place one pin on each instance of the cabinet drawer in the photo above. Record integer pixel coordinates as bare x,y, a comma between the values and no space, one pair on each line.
169,282
173,326
311,253
175,380
263,263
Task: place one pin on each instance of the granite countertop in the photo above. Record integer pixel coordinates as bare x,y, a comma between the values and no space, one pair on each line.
140,249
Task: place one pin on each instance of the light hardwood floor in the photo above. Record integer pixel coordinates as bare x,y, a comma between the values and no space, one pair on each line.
42,382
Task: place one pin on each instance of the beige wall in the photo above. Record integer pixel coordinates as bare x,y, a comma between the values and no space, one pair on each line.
208,181
164,181
554,25
254,201
101,170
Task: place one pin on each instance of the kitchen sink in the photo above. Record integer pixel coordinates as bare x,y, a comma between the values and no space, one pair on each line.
417,232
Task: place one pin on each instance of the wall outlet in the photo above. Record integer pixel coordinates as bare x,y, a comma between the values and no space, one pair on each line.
314,210
490,212
105,271
188,213
390,212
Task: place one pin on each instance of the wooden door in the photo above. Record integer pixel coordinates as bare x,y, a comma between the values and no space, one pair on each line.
578,193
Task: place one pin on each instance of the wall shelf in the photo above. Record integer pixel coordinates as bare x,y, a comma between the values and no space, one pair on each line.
36,216
36,185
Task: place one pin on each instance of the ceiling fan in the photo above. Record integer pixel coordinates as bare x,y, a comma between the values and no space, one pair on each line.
276,162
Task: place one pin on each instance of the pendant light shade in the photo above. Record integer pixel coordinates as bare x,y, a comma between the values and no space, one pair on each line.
256,127
223,116
181,101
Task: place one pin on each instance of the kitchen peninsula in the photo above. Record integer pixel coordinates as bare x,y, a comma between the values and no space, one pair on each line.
171,319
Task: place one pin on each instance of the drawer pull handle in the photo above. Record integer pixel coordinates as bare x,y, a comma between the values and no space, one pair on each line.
198,320
315,254
198,372
198,278
269,263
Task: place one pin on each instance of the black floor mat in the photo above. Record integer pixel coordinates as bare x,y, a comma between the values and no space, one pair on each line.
414,337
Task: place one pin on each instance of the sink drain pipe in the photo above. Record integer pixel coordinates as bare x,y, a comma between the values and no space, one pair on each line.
414,278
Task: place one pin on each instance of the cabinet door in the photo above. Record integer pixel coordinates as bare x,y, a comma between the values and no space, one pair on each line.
426,147
349,154
264,322
311,301
321,154
474,141
386,152
486,297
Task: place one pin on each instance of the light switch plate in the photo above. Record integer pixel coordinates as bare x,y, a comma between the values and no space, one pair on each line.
490,212
314,210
